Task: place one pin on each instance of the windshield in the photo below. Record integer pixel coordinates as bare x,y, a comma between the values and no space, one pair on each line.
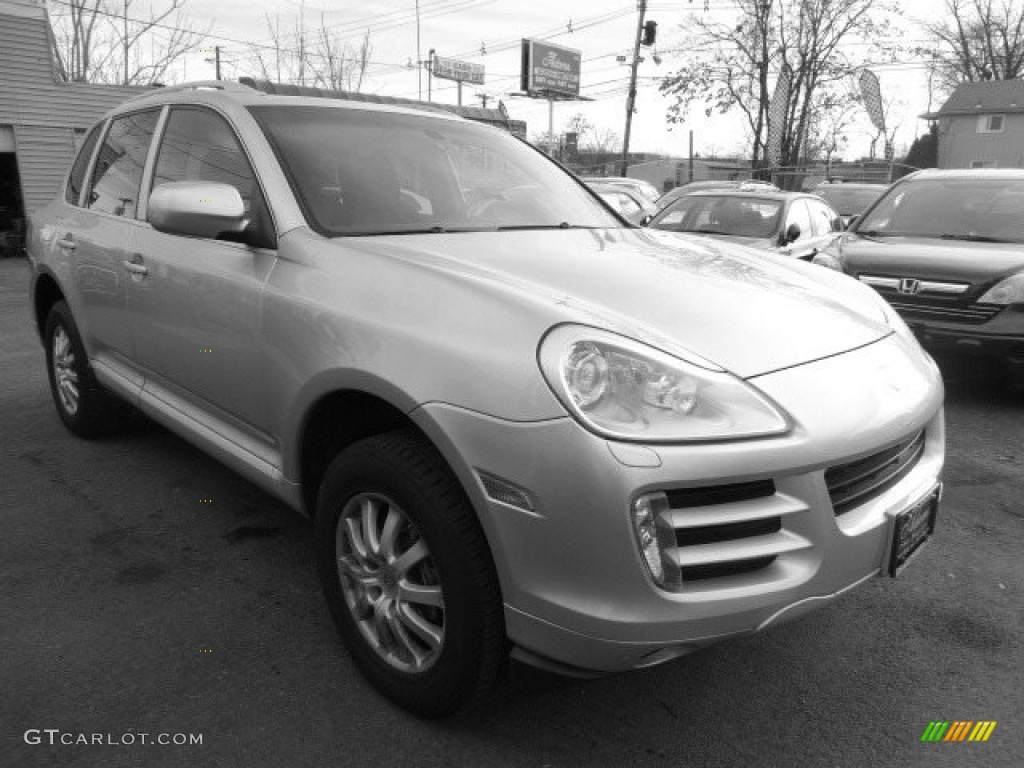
721,215
849,201
955,209
365,172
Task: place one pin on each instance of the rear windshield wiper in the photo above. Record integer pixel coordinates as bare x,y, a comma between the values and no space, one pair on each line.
972,238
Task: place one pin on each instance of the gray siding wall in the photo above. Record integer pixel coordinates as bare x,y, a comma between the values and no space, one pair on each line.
960,144
44,154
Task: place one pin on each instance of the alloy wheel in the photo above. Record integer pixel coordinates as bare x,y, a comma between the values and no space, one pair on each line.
390,583
65,373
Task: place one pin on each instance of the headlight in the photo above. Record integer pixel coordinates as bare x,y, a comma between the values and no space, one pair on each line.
622,389
1008,291
825,259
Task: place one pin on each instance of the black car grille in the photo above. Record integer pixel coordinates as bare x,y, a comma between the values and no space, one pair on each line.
973,314
857,482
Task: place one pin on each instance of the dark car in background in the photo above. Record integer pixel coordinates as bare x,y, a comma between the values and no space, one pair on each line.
946,249
790,223
849,199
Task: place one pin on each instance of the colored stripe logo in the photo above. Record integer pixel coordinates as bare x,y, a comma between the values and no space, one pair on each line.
958,730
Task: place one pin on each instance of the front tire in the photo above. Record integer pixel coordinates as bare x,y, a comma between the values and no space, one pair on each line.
407,574
82,405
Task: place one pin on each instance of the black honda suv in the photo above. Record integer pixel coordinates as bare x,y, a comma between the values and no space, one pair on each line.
946,249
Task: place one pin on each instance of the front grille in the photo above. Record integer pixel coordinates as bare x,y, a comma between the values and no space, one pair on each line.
685,498
720,570
730,530
857,482
972,314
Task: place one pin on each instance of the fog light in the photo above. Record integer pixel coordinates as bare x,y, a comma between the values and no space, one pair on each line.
656,539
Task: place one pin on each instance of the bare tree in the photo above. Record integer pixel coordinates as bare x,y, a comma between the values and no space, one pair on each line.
323,59
580,125
601,139
736,65
96,41
338,65
978,40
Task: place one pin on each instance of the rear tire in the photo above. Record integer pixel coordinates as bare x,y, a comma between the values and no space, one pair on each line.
84,407
407,574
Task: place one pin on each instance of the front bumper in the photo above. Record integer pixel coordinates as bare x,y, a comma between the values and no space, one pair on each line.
575,587
1002,337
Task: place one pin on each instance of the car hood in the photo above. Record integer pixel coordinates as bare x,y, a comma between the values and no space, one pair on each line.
927,258
747,311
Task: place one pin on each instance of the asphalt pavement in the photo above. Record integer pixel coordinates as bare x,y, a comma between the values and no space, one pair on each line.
145,589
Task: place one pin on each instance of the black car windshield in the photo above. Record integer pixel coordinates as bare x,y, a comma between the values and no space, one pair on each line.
982,209
368,172
721,215
849,201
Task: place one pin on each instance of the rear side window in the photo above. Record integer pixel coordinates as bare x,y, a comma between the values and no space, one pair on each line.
77,178
799,215
199,145
118,173
823,220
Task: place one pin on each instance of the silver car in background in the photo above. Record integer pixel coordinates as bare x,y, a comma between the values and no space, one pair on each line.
516,422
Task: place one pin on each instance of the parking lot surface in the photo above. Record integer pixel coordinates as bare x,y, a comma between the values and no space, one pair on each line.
145,589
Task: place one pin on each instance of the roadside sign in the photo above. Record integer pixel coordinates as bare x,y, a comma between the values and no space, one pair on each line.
549,70
462,71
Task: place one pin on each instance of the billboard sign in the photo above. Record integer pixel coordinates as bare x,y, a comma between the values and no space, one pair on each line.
453,69
550,70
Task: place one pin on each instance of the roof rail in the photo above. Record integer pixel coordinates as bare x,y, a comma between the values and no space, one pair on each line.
198,85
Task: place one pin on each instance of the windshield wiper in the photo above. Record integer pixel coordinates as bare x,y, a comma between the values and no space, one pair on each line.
563,225
705,232
972,238
873,233
435,230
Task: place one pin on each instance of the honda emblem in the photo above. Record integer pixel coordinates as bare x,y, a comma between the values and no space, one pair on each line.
909,285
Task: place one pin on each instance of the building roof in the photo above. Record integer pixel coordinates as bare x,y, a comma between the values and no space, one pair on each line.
982,98
30,92
45,112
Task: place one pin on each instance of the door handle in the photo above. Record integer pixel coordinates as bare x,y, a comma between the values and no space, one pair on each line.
67,243
136,267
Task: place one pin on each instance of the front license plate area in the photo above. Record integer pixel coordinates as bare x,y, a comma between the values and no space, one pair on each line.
911,529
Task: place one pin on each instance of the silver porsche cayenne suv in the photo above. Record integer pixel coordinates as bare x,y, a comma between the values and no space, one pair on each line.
521,426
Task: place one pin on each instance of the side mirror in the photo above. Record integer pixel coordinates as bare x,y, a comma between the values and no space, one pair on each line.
197,208
792,234
647,219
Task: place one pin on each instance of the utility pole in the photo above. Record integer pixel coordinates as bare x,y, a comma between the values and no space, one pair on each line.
216,55
430,75
631,99
483,97
419,56
126,42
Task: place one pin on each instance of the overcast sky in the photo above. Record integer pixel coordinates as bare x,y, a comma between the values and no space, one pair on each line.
488,32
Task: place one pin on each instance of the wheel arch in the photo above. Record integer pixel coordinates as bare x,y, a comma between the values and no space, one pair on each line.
46,292
363,406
